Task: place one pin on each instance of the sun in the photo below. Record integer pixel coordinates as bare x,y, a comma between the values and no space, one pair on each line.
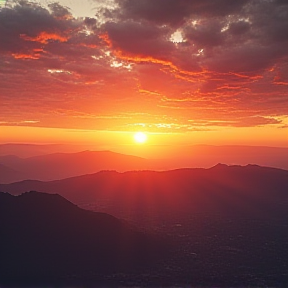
140,137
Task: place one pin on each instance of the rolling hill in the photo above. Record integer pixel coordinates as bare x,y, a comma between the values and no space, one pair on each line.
45,238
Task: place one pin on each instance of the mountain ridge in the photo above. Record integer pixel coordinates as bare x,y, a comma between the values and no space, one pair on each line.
203,190
76,163
46,238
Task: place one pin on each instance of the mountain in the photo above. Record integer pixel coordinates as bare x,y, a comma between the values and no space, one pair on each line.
146,195
226,226
10,175
63,165
29,150
206,156
46,238
40,162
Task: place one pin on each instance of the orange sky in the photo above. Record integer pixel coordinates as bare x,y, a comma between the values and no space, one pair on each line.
157,145
184,73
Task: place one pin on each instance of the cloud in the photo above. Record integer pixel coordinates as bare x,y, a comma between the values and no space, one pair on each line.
27,26
137,39
175,12
44,37
230,60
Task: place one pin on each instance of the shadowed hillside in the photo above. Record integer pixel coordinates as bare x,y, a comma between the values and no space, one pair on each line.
45,238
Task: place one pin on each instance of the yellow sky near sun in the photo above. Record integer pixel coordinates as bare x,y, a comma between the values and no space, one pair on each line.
157,143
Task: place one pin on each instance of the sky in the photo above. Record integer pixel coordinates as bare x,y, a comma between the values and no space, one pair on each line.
185,72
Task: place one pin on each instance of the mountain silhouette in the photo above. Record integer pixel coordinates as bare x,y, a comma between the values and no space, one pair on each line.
9,175
225,226
228,190
25,150
46,238
209,155
63,165
42,164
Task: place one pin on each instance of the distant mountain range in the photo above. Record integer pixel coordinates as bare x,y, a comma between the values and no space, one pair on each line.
63,165
45,238
57,166
206,156
247,190
9,175
29,150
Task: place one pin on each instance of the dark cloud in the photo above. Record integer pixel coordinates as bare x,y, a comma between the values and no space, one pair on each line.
176,12
248,58
137,39
206,34
239,28
59,11
27,25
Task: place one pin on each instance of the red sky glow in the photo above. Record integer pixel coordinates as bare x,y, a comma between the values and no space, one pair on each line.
209,71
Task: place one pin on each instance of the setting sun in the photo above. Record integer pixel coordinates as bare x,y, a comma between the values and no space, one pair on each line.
140,137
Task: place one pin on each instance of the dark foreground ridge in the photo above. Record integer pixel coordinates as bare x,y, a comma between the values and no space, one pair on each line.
46,239
226,226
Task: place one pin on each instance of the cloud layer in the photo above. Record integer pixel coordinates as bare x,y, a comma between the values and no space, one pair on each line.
167,65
